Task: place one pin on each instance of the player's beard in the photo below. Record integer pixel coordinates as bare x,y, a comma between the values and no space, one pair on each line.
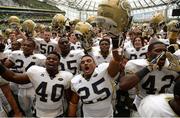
52,70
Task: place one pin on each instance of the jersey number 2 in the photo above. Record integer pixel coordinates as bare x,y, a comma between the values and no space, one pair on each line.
96,91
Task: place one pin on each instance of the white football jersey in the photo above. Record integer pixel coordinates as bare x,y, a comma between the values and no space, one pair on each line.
71,62
44,47
132,53
100,59
156,106
49,91
128,44
95,93
165,41
177,53
155,82
7,52
22,63
76,46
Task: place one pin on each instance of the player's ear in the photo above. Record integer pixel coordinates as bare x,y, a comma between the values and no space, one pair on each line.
147,54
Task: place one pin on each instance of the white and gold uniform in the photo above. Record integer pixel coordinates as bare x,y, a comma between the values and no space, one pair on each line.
177,53
26,92
100,59
76,46
70,63
49,91
132,53
156,106
45,47
155,82
96,93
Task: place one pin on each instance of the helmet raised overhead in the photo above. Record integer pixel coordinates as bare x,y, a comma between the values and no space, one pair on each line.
113,15
28,26
84,31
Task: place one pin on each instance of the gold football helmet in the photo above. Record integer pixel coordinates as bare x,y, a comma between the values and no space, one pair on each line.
172,31
91,20
28,27
58,22
157,19
84,32
75,21
14,22
7,32
113,15
40,28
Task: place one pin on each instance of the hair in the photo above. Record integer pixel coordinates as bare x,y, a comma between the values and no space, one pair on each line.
142,40
30,39
131,32
2,47
47,29
87,55
17,42
177,88
104,39
151,45
62,39
55,53
69,34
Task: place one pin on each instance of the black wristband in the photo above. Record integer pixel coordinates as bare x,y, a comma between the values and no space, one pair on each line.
2,69
142,73
115,42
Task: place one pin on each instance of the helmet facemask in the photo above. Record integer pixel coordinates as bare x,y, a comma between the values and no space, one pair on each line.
58,23
84,34
28,27
108,25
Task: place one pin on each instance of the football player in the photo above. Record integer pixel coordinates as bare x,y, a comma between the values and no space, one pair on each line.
75,44
138,51
94,86
7,100
15,45
152,75
129,39
11,37
69,58
104,55
21,60
9,96
46,45
163,105
48,82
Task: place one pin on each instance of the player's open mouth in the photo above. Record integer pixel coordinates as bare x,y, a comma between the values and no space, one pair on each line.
87,69
51,65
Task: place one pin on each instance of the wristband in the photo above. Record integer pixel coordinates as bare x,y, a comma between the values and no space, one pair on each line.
142,73
2,69
115,42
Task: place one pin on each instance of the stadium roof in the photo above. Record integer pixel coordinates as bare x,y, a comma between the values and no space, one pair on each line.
91,5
